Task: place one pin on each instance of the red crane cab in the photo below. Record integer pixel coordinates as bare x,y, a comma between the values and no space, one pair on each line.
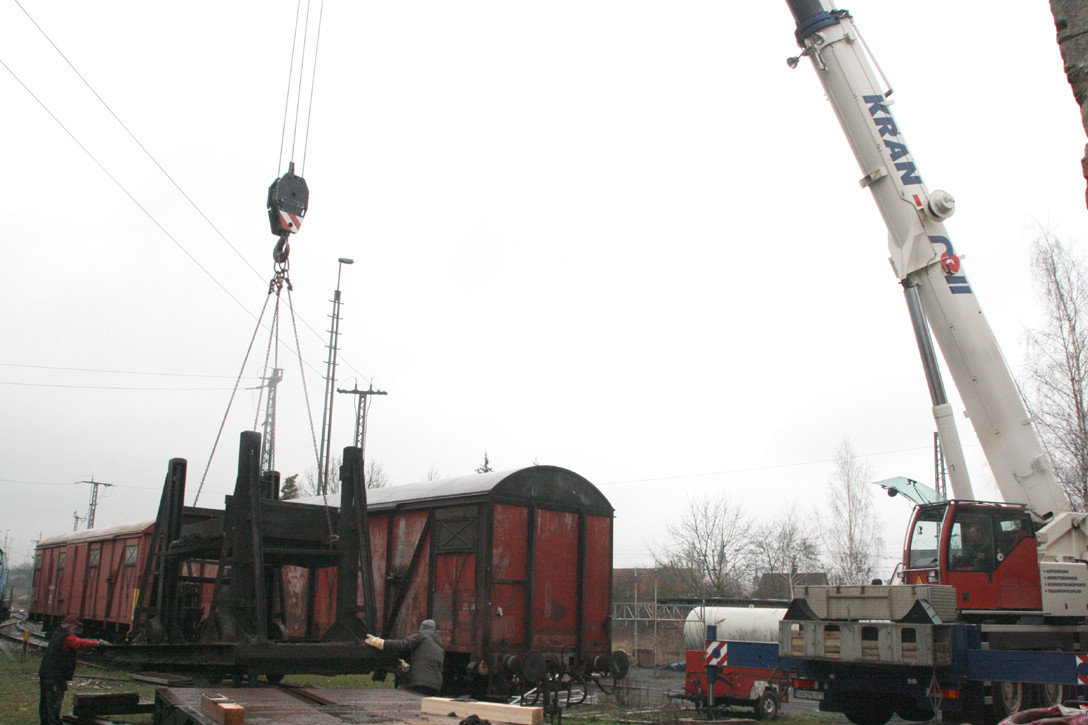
986,550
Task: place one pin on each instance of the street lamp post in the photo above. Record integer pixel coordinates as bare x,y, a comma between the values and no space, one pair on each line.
330,385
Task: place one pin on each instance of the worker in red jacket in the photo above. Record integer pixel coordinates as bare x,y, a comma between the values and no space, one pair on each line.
59,666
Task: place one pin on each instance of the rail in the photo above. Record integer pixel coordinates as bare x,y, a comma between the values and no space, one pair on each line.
14,630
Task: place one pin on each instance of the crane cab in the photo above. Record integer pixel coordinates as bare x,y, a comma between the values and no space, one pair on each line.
987,551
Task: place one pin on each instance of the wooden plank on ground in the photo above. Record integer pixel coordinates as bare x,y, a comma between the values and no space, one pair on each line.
493,711
222,709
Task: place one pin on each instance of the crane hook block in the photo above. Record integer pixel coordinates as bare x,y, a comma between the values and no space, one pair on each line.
287,200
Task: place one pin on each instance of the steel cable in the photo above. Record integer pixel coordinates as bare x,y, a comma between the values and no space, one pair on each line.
233,392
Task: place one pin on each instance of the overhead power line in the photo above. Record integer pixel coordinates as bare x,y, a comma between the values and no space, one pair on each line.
756,469
126,192
137,141
106,387
151,157
117,372
39,483
71,483
151,487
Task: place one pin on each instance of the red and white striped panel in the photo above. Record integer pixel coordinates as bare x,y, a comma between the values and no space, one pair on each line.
290,221
717,653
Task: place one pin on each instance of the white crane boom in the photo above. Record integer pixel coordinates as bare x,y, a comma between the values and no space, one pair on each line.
924,258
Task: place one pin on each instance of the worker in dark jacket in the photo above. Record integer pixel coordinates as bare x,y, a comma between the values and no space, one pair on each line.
425,654
59,666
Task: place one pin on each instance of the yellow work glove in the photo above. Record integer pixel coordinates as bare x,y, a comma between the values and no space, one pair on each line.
376,642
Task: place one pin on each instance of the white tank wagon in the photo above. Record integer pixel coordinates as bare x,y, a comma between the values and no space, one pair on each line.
735,624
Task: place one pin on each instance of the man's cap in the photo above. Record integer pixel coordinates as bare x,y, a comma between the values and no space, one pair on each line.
71,619
429,624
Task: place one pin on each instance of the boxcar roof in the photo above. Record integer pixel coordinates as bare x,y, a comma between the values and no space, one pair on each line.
550,486
93,534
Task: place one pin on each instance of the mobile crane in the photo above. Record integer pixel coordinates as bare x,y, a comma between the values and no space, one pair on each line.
989,617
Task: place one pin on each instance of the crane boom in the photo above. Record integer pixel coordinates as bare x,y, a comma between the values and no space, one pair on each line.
924,259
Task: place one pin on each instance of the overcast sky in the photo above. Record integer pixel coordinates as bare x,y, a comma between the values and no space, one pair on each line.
619,237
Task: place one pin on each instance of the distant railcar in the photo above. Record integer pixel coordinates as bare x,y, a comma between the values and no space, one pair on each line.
95,575
90,574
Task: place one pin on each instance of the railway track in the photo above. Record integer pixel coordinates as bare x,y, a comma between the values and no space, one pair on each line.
16,630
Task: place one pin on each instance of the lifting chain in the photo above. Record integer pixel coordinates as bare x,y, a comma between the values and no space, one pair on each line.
281,276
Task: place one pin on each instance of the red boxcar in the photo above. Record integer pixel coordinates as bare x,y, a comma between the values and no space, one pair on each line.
515,567
95,575
90,574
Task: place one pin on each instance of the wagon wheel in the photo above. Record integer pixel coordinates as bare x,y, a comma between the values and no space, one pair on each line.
767,705
1050,695
1008,698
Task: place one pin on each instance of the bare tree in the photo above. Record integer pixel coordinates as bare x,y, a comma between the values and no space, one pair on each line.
376,477
1058,364
309,479
711,547
788,547
433,474
851,531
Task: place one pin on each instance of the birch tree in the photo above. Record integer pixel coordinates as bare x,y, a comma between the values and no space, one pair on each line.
850,529
1058,364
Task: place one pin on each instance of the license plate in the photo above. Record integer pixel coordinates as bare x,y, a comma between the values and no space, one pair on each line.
807,694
